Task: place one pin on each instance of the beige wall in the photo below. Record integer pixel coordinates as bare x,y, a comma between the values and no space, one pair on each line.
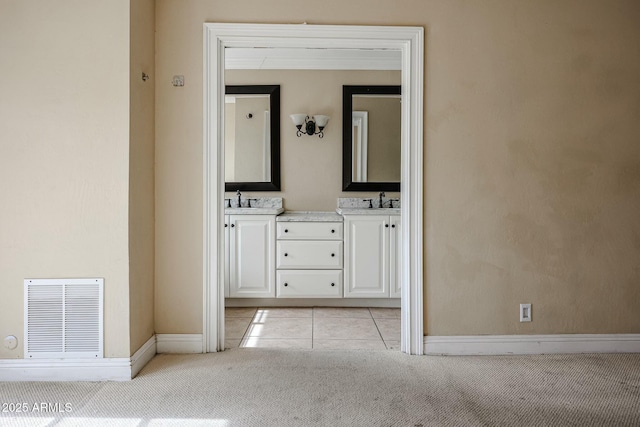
64,154
532,161
141,188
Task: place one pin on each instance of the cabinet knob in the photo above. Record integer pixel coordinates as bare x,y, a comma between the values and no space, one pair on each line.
333,231
333,254
286,254
286,230
333,284
386,225
233,225
393,226
226,225
286,284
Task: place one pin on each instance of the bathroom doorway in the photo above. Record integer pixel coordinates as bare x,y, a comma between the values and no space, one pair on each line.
408,41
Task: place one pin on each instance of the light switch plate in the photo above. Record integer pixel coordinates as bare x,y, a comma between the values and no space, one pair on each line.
525,312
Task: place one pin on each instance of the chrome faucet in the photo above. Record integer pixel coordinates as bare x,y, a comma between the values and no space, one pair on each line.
239,194
381,195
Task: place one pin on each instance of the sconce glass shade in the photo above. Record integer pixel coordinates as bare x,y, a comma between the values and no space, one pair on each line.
321,121
298,119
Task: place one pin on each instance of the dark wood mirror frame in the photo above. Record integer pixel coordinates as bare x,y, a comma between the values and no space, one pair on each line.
274,107
347,160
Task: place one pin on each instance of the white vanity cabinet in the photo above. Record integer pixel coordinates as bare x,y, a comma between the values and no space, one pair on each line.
371,244
309,258
250,269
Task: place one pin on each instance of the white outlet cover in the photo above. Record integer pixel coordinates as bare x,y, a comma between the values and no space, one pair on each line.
525,312
11,342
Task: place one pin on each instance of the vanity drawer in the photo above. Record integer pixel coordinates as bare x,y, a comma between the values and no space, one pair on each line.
309,283
309,254
309,231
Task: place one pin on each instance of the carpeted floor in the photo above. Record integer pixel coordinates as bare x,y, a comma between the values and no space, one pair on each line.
269,387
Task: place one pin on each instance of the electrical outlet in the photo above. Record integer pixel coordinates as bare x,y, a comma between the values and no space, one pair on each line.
525,312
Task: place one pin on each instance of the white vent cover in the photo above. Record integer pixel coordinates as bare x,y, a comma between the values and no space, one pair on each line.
63,318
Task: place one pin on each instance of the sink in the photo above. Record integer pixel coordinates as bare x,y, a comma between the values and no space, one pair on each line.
368,211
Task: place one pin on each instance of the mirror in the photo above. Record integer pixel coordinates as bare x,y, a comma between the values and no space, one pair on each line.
371,138
252,138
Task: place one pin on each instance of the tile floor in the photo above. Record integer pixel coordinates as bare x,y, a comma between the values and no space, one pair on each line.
327,328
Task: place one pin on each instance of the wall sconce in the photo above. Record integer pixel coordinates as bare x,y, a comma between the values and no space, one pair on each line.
309,124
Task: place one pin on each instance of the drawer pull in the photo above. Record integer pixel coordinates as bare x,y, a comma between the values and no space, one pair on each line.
233,225
333,231
386,225
226,225
333,284
286,284
333,254
286,254
393,226
286,230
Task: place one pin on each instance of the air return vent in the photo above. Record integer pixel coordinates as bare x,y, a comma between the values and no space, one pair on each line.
63,318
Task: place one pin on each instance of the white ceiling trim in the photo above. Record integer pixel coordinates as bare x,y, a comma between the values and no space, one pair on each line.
312,59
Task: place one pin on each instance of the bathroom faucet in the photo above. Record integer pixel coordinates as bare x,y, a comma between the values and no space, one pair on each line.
239,194
381,195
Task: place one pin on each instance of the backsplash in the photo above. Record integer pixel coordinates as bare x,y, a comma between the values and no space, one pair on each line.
256,202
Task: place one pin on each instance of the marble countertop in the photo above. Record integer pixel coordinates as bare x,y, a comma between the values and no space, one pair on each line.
368,211
304,216
253,211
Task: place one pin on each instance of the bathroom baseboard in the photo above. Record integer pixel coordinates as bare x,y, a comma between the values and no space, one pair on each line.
313,302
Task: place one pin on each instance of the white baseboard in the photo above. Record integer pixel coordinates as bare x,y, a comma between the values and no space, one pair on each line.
179,343
143,356
532,344
106,369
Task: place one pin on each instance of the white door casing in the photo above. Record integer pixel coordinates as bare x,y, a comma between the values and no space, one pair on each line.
410,42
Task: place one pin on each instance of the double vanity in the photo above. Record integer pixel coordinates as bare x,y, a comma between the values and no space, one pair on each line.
350,253
348,256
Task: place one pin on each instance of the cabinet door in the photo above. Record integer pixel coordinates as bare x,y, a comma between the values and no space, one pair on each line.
366,257
226,255
395,290
252,256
